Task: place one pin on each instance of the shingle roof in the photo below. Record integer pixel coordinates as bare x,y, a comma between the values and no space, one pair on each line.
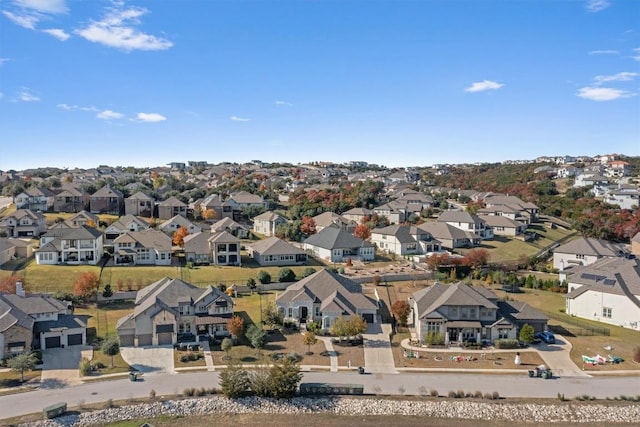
459,216
607,275
335,238
458,294
107,191
172,201
442,230
151,239
268,216
83,232
11,315
275,246
589,246
140,196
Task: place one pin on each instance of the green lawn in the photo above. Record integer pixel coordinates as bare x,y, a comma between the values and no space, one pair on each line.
13,379
53,278
103,320
248,306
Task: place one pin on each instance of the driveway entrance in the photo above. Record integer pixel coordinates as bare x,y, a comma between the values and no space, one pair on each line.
60,365
378,357
149,359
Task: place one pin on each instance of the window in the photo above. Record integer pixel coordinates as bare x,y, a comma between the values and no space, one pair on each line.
606,312
503,334
580,256
484,312
472,313
453,312
316,311
290,312
185,309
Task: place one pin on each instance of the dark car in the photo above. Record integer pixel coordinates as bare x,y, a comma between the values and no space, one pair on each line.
547,337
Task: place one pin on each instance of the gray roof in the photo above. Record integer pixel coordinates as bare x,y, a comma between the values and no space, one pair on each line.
123,222
607,275
65,321
83,232
227,224
335,238
243,197
176,219
35,304
520,311
333,291
500,221
326,219
197,243
459,216
107,191
11,315
442,230
269,216
430,299
593,247
152,239
403,233
275,246
172,201
140,196
358,211
501,199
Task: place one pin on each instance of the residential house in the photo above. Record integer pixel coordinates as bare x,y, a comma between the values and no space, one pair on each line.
585,251
82,218
124,225
587,179
13,248
219,248
139,204
450,237
172,225
607,290
324,297
617,169
227,224
37,322
337,245
404,240
357,214
23,223
35,199
266,223
148,247
170,307
394,211
77,245
107,200
625,198
461,313
243,200
275,251
71,199
468,222
331,219
505,203
217,204
171,207
503,226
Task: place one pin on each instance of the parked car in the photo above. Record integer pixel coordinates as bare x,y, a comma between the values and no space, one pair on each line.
547,337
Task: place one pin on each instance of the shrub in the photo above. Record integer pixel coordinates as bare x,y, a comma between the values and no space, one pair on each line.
460,394
313,327
294,357
423,390
85,367
108,404
401,389
307,272
152,394
506,344
477,394
488,396
264,277
286,275
434,338
434,393
452,394
189,391
495,395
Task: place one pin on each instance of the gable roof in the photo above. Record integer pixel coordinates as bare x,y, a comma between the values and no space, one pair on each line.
172,201
430,299
123,222
607,275
227,224
275,246
459,216
140,196
333,291
83,232
442,230
152,239
107,191
589,246
334,238
246,198
327,219
11,315
269,216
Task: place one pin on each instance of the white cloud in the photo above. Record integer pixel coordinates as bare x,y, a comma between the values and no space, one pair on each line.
483,85
26,96
603,93
66,107
3,60
604,52
637,51
597,5
238,119
117,30
109,115
1,95
625,76
285,103
57,33
150,117
24,20
44,6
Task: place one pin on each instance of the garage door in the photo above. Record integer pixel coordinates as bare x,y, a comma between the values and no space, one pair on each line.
126,341
368,318
52,342
144,339
74,339
165,338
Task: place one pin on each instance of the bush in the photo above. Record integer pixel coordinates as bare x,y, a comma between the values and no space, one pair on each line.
460,394
85,367
488,396
152,394
477,394
452,394
294,357
506,344
495,395
108,404
313,327
264,277
434,393
286,275
189,391
434,338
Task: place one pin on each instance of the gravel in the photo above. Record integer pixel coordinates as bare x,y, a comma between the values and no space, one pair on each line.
466,409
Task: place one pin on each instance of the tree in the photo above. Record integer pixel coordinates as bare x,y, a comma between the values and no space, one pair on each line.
86,285
527,333
307,272
22,362
111,347
257,337
264,277
234,381
362,231
309,340
209,214
226,346
91,223
251,284
271,316
348,326
285,377
8,284
107,292
179,235
235,326
476,258
308,226
401,309
286,275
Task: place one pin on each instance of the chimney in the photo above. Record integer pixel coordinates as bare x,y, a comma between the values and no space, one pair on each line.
20,289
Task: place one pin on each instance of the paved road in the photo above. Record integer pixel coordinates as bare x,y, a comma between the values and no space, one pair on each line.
557,357
410,383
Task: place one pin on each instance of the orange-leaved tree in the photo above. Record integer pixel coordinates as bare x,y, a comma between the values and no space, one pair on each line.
209,214
179,235
476,258
235,326
308,226
8,284
362,231
86,285
401,309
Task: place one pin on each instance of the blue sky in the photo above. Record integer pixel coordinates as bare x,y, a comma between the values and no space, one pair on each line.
397,83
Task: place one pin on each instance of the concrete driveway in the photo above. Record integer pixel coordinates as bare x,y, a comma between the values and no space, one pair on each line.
378,357
149,359
557,357
60,365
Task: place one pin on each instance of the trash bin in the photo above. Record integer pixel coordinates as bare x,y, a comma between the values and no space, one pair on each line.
133,376
360,370
545,375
